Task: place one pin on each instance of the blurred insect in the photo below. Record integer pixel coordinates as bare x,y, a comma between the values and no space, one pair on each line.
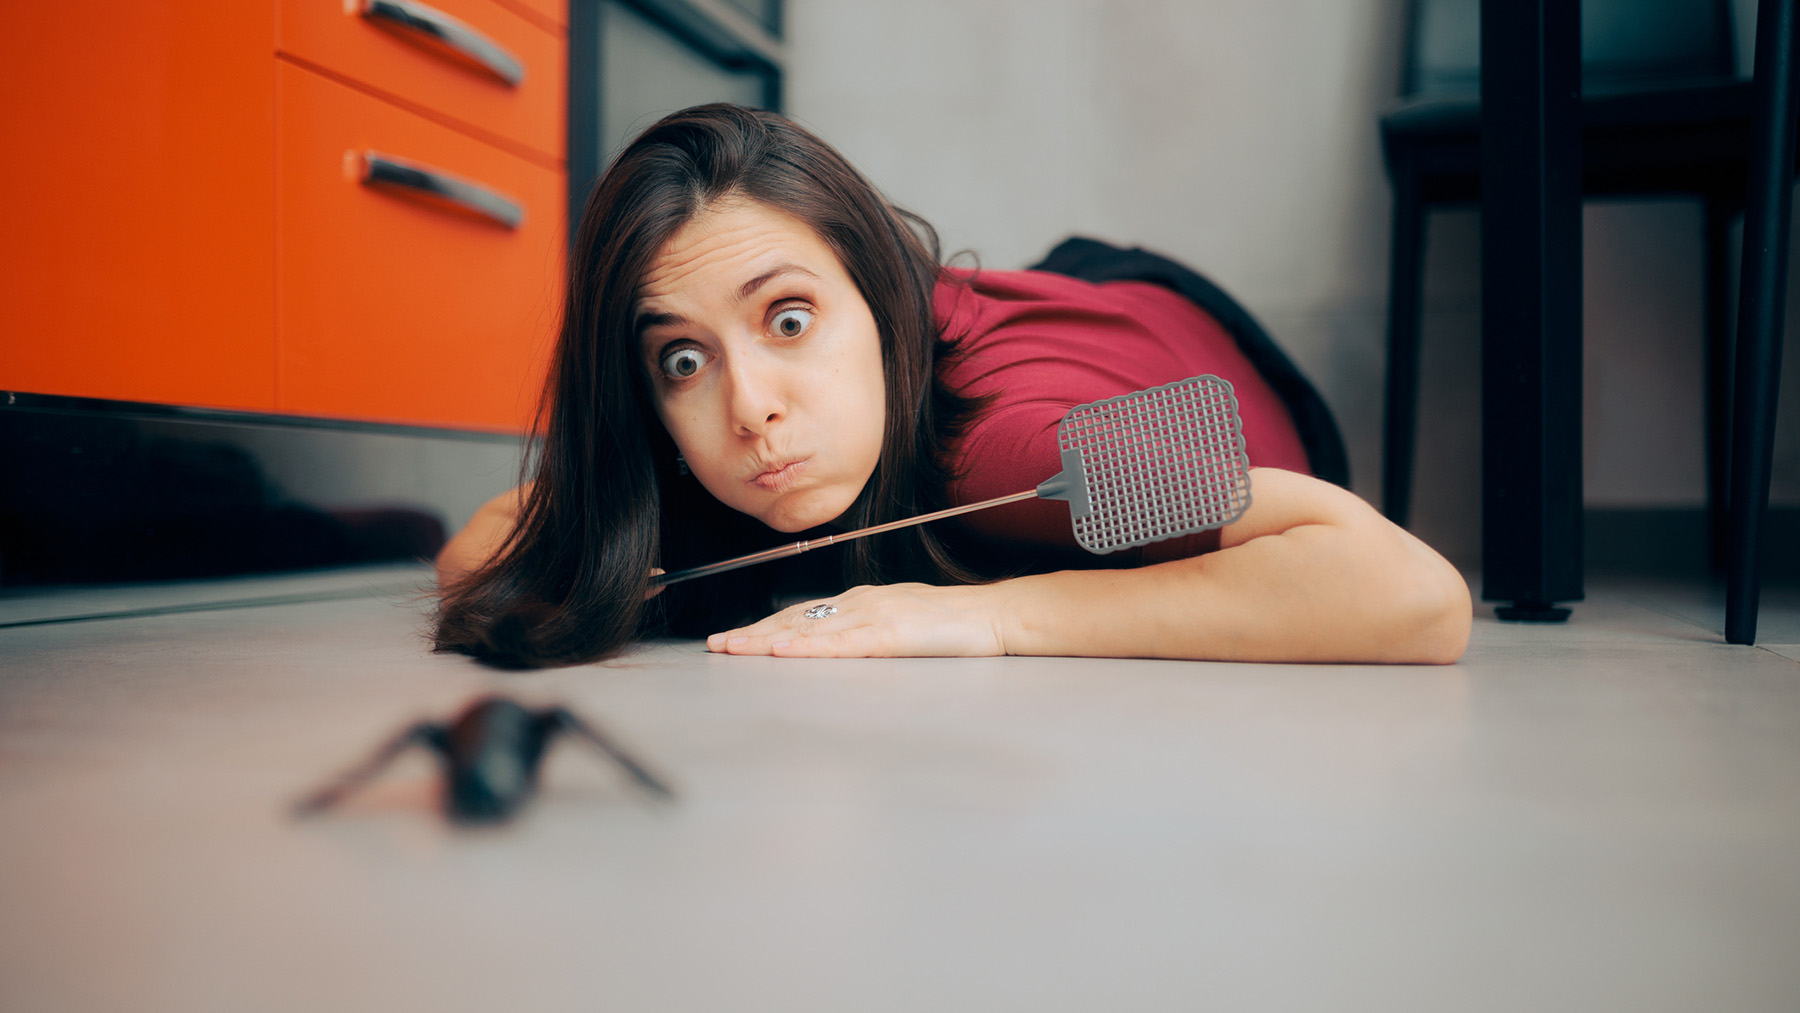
490,753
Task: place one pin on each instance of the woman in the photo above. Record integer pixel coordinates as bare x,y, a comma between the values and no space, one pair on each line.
756,344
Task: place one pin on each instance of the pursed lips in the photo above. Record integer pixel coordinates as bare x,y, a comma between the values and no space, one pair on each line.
780,475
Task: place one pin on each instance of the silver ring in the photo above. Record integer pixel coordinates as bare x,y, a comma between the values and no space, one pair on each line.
820,611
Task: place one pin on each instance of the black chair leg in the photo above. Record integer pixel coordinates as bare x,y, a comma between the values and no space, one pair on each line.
1761,307
1531,502
1406,277
1719,211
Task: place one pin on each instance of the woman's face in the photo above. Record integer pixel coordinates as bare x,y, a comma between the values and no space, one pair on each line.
765,364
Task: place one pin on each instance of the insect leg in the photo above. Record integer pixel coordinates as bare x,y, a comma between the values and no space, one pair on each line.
423,733
561,717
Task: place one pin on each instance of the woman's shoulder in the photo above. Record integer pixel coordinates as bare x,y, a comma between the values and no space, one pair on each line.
1035,336
487,530
964,290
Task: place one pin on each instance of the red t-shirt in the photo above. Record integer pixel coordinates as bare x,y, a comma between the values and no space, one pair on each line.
1043,343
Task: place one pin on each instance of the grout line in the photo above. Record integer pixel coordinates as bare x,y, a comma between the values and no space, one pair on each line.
1678,617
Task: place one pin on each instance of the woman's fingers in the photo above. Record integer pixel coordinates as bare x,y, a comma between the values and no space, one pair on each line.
857,643
759,638
896,620
851,643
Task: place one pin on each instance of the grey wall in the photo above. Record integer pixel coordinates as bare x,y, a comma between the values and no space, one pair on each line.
1239,136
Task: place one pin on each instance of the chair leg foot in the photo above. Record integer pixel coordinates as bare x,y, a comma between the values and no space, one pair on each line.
1531,612
1740,612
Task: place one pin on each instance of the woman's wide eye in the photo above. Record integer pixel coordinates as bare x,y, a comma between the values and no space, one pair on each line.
683,362
792,322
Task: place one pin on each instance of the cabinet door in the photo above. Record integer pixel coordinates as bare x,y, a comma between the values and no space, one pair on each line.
395,307
139,231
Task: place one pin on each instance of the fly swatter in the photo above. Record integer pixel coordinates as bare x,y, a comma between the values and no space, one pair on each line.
1136,469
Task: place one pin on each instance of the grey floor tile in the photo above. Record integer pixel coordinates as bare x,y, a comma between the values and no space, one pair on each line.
1599,815
1785,650
1778,615
1606,617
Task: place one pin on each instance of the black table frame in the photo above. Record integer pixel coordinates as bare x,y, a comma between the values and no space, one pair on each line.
1531,307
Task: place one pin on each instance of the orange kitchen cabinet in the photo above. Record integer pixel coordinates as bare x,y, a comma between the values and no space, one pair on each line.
399,308
182,229
139,233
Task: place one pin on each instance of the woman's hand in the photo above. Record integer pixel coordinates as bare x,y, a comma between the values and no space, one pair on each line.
888,621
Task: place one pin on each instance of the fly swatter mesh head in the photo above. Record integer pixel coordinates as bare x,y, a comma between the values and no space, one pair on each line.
1158,463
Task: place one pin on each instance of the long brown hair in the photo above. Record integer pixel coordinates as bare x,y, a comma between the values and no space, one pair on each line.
607,502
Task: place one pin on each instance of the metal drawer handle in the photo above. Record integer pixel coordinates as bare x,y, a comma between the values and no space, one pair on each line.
379,170
444,29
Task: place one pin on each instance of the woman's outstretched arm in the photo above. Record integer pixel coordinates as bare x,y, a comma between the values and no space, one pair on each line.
1309,573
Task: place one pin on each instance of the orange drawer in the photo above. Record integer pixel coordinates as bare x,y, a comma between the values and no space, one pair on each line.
406,66
396,308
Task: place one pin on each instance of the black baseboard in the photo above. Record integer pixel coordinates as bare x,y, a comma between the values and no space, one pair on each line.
1673,541
101,492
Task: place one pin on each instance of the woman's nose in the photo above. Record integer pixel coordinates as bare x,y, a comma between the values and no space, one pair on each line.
756,402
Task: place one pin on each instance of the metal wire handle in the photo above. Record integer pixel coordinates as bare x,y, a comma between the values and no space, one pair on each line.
784,551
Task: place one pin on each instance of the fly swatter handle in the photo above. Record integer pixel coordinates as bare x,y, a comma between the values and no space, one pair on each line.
767,555
782,552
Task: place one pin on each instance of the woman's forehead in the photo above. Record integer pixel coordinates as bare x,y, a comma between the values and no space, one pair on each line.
728,244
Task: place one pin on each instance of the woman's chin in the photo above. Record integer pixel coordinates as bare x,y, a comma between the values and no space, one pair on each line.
803,510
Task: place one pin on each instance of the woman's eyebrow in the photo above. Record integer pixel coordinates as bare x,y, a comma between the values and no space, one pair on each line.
645,321
749,288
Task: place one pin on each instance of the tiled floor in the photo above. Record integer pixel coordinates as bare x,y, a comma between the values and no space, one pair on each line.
1604,815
